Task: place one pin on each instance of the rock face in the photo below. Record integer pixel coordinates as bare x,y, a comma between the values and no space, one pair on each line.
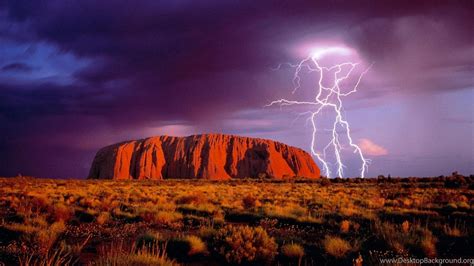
211,156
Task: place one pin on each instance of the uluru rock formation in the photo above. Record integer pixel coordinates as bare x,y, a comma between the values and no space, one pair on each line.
210,156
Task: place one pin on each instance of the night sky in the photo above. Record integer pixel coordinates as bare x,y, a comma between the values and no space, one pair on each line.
79,75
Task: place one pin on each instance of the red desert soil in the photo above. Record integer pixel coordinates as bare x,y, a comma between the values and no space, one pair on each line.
210,156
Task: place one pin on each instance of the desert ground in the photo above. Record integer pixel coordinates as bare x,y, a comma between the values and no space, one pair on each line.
252,222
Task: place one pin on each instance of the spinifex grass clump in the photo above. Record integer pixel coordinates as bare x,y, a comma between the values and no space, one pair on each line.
293,252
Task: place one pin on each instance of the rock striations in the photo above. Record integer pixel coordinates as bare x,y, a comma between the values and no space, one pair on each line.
210,156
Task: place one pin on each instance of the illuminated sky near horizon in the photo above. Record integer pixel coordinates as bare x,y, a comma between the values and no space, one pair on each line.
79,75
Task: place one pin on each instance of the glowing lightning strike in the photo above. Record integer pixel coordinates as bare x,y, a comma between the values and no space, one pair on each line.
333,101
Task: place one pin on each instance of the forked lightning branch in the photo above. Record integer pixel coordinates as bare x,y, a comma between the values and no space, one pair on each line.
329,98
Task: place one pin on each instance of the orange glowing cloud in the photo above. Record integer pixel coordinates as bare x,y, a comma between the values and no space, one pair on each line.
370,148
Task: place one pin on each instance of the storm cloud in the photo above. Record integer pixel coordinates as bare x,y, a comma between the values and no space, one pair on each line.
106,71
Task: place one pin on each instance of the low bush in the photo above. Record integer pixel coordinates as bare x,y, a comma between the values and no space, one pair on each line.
196,245
167,218
293,251
183,247
207,233
336,246
242,244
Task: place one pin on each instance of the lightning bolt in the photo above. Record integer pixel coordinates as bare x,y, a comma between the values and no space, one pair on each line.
333,101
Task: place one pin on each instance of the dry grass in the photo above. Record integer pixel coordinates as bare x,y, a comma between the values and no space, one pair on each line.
292,250
120,255
196,245
408,217
455,230
58,257
103,218
345,226
336,246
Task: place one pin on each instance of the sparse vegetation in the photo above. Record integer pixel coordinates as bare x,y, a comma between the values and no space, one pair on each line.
309,222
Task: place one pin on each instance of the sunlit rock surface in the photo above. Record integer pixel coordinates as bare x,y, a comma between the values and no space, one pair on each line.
210,156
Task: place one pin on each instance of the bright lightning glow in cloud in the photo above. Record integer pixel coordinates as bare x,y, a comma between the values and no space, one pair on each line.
318,53
329,97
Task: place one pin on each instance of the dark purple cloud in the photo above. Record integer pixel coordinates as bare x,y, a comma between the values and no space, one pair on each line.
129,66
17,67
